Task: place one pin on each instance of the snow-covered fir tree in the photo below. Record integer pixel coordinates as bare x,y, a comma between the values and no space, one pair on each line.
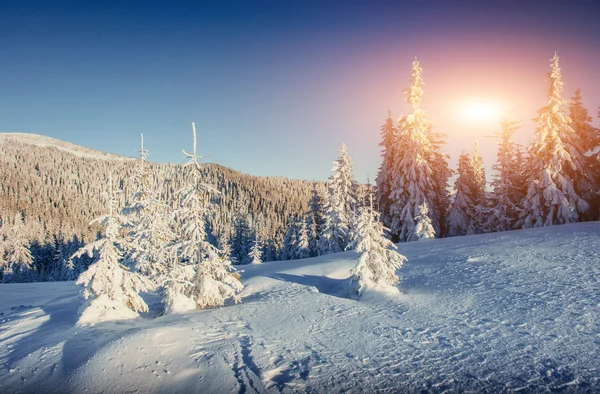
339,210
554,158
412,181
478,186
461,211
17,256
588,144
438,162
384,176
214,279
151,219
315,220
506,194
255,253
424,229
289,247
241,239
110,288
378,259
303,249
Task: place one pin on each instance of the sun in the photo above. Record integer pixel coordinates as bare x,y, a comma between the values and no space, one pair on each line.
480,110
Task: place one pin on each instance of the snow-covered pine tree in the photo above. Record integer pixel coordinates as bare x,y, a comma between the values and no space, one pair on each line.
241,239
438,162
460,214
255,254
478,186
315,220
215,279
412,178
111,290
384,176
424,229
151,234
340,206
506,195
17,256
588,141
303,250
554,158
289,247
59,267
378,259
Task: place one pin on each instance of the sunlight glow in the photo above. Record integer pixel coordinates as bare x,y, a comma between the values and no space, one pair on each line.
480,110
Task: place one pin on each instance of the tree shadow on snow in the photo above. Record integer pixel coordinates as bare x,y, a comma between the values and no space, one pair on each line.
80,343
323,284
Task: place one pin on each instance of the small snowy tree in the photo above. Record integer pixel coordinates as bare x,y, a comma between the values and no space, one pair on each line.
215,279
378,260
424,228
111,290
303,250
18,258
551,196
255,253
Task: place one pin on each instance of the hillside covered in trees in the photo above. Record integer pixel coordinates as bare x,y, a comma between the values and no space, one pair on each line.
56,189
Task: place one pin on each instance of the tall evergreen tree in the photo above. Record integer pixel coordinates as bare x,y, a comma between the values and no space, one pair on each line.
412,178
478,189
588,141
461,211
506,195
315,220
151,220
340,207
215,279
551,195
384,176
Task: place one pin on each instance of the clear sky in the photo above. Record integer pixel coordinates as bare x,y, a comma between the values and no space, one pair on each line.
275,87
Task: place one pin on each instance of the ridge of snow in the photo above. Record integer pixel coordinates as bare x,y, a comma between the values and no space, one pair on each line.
45,141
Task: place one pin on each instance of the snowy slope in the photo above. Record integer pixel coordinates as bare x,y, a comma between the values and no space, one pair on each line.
44,141
497,312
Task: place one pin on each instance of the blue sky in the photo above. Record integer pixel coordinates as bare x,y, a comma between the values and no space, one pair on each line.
275,87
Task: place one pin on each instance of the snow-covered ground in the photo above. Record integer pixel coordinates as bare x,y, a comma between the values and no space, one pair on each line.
498,312
44,141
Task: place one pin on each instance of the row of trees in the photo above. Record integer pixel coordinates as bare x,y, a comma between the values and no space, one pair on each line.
555,180
152,246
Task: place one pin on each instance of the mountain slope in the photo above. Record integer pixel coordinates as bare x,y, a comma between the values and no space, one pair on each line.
60,187
488,313
45,141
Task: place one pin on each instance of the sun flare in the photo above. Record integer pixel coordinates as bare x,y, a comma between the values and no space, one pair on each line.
480,110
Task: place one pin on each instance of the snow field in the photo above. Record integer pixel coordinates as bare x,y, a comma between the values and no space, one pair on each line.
505,312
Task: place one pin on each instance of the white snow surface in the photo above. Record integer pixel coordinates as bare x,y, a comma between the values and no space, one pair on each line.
45,141
505,312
